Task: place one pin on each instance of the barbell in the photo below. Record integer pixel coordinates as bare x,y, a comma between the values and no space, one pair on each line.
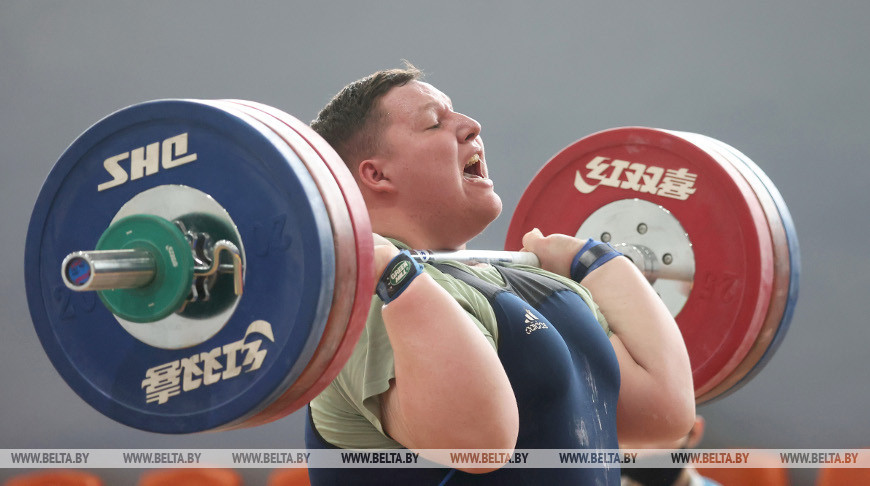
232,253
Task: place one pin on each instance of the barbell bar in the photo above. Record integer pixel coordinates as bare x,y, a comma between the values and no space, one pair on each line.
136,267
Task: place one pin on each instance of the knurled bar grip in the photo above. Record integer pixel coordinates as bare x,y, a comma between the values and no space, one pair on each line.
642,257
493,257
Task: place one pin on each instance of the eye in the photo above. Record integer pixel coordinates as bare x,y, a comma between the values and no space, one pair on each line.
437,125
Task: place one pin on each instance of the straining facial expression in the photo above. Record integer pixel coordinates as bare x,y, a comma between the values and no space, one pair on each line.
437,162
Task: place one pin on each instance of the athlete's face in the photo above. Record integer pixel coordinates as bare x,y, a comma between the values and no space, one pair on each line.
438,165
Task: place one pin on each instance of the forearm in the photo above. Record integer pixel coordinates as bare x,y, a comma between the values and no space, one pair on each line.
656,399
450,389
656,395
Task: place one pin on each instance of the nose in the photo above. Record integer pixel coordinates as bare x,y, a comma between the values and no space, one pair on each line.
469,129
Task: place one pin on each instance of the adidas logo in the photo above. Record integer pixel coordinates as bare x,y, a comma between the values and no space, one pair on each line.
533,323
530,318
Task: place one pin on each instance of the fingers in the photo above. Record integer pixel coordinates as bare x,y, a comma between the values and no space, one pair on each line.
532,239
554,251
380,240
384,251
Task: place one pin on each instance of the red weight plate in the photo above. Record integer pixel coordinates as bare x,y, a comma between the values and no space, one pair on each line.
362,231
725,222
781,263
345,265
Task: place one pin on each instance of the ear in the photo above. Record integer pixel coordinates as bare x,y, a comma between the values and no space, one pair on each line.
373,174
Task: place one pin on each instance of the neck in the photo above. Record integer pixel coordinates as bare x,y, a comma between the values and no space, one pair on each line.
418,233
417,240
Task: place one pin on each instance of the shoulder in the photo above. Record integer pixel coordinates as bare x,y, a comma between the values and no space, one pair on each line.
571,286
348,412
470,298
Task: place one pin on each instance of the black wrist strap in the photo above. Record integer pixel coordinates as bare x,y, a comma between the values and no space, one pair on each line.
399,273
591,256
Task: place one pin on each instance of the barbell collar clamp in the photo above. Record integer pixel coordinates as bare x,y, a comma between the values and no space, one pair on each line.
234,268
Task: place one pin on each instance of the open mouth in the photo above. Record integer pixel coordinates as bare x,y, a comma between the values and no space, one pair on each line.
473,168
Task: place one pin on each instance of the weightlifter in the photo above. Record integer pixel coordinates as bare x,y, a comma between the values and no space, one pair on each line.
580,354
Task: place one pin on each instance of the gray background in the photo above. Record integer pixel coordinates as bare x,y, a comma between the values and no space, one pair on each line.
784,81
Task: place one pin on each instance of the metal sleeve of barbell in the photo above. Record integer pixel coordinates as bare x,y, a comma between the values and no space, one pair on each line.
108,269
652,267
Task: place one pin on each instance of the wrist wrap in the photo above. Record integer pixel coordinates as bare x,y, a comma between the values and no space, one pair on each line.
398,274
591,256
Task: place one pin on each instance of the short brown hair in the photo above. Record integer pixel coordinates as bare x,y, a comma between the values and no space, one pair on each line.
351,121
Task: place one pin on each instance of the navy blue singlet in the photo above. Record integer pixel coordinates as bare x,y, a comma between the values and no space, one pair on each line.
564,375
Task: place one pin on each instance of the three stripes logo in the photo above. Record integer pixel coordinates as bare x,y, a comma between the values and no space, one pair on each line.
533,323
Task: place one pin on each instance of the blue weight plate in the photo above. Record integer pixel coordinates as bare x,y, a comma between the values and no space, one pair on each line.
289,266
793,249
